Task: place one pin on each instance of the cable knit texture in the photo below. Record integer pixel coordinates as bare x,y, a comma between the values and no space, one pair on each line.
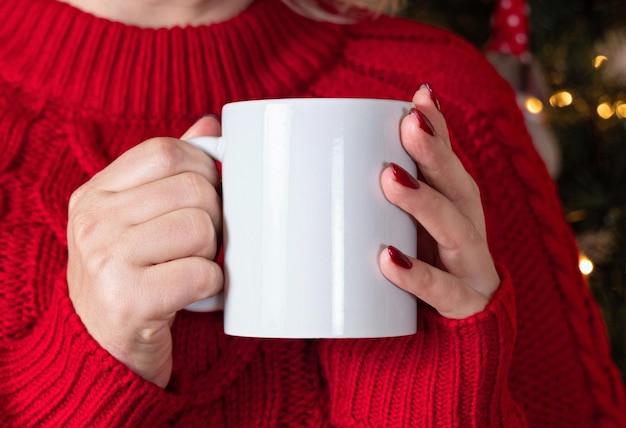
77,91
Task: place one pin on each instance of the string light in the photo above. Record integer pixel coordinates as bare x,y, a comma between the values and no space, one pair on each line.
561,99
585,265
599,60
605,110
533,105
620,109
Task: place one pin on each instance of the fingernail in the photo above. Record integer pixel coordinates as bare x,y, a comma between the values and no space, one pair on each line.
433,96
402,176
424,122
398,258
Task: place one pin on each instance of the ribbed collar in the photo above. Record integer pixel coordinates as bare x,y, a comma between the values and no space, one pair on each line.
74,59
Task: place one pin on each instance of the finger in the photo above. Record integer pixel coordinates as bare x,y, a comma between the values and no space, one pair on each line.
158,158
462,248
205,126
154,160
441,168
425,99
178,234
439,217
186,190
176,284
447,294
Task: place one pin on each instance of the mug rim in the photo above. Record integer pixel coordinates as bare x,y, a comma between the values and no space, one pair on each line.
318,100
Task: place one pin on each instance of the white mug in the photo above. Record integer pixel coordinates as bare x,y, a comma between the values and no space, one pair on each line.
305,218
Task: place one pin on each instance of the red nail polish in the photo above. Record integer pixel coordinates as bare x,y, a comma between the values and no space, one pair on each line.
433,96
402,176
398,258
424,122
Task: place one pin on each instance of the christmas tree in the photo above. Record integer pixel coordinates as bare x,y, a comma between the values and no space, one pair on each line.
574,84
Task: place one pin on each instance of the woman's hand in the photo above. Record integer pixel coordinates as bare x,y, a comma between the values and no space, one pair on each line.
142,234
454,272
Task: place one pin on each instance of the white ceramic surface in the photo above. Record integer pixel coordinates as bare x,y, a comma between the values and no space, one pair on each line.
305,218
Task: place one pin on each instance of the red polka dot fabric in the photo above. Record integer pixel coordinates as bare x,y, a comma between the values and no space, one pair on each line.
509,27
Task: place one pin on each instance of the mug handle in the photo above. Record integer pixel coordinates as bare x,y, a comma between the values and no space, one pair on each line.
214,147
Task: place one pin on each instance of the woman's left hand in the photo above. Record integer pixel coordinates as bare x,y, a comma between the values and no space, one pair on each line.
454,272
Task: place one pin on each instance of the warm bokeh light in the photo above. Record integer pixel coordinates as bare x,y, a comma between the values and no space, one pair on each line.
561,99
620,109
599,60
533,105
605,110
585,265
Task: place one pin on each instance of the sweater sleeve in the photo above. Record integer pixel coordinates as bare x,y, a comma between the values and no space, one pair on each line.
451,373
469,373
52,372
57,375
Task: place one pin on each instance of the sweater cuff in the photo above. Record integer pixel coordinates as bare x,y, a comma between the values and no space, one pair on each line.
451,373
58,375
480,349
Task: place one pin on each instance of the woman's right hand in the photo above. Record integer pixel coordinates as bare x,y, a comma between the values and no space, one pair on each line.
142,235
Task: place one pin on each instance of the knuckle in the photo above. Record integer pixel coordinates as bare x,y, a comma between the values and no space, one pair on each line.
76,197
98,263
94,246
166,153
84,196
152,332
83,225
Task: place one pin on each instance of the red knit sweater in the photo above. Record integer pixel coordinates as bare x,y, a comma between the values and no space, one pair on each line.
77,91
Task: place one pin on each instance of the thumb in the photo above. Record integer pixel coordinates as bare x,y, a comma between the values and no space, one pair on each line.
205,126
